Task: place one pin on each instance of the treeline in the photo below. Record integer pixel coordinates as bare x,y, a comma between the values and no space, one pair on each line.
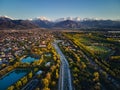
83,79
102,63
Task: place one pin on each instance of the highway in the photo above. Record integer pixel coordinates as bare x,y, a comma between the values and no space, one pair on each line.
65,82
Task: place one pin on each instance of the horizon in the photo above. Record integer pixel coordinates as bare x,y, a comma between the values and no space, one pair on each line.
54,9
57,19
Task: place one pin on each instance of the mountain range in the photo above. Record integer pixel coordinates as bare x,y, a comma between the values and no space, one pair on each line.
66,23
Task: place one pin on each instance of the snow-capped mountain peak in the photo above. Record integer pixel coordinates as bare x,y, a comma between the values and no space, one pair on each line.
77,19
5,16
68,18
60,19
42,18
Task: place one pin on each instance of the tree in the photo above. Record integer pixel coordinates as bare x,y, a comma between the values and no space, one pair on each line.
52,68
18,85
24,80
16,64
46,88
45,82
48,76
57,74
96,76
11,88
53,83
35,69
104,74
75,70
83,65
54,57
37,89
30,75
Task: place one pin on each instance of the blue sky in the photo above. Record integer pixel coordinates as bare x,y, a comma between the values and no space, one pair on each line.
23,9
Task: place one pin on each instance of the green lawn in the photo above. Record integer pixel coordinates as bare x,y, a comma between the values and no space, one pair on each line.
100,49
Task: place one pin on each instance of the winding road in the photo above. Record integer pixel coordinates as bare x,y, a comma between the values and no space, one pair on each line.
65,82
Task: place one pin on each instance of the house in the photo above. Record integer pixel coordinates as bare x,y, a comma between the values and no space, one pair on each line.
39,72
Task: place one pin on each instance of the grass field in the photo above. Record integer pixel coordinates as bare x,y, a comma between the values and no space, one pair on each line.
100,49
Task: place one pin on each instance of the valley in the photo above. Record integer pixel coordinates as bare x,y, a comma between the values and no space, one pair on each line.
60,60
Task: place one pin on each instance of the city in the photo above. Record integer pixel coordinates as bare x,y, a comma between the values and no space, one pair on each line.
59,44
59,60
